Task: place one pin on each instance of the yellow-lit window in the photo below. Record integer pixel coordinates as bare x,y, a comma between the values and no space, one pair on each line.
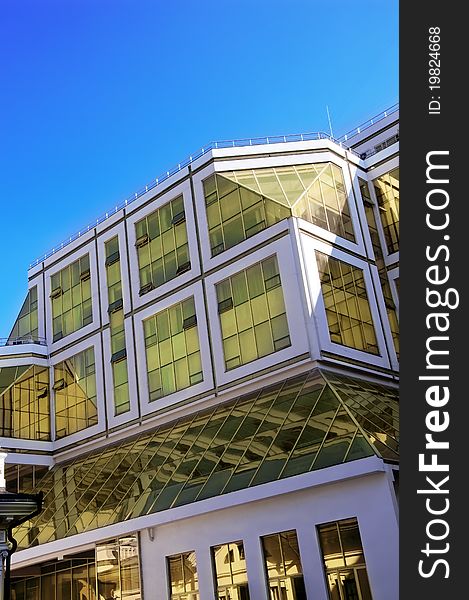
344,561
117,569
75,393
252,313
380,263
241,203
346,302
183,580
235,212
231,578
71,298
162,246
24,402
172,349
283,566
387,194
116,320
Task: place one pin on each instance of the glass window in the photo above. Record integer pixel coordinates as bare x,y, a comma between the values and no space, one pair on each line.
283,566
116,320
71,298
26,325
172,350
231,578
387,194
24,402
311,421
183,580
75,393
236,212
380,263
314,192
118,569
162,246
344,562
346,302
252,314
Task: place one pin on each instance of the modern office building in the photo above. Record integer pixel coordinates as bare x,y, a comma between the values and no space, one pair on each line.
203,383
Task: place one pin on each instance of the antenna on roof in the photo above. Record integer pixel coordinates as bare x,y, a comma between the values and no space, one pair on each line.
329,119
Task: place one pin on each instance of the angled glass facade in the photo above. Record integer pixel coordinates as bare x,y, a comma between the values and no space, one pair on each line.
380,263
236,212
162,245
305,423
347,306
387,194
25,402
314,192
26,325
252,314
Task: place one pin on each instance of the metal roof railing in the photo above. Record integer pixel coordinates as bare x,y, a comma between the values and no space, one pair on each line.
274,139
361,128
25,339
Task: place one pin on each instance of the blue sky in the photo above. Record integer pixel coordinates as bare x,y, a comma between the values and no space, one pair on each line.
98,97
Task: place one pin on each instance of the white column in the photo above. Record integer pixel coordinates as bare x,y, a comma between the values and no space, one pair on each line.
380,539
255,568
153,567
204,572
312,563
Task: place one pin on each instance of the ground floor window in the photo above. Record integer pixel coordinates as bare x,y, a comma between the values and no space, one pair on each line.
344,561
183,580
230,572
283,566
109,572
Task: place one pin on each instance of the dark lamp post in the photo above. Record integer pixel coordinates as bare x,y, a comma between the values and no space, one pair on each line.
14,510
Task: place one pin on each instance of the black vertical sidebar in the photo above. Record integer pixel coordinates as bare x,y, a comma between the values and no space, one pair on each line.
434,313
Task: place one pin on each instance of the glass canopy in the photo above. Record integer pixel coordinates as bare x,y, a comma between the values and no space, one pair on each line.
309,422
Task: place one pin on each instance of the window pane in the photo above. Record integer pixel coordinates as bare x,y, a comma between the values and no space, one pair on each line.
172,349
253,320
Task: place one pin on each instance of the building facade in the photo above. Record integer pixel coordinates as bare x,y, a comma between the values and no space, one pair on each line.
203,384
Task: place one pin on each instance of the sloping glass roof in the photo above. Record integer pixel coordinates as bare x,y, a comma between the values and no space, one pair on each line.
308,422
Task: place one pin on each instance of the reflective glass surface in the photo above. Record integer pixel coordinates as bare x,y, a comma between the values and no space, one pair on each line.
24,402
344,561
116,321
75,393
71,298
236,212
380,263
231,579
283,566
172,350
312,421
26,325
162,246
183,580
346,302
241,203
387,194
252,314
109,572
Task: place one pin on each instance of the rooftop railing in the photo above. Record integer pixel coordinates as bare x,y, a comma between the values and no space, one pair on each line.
257,141
26,339
361,128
